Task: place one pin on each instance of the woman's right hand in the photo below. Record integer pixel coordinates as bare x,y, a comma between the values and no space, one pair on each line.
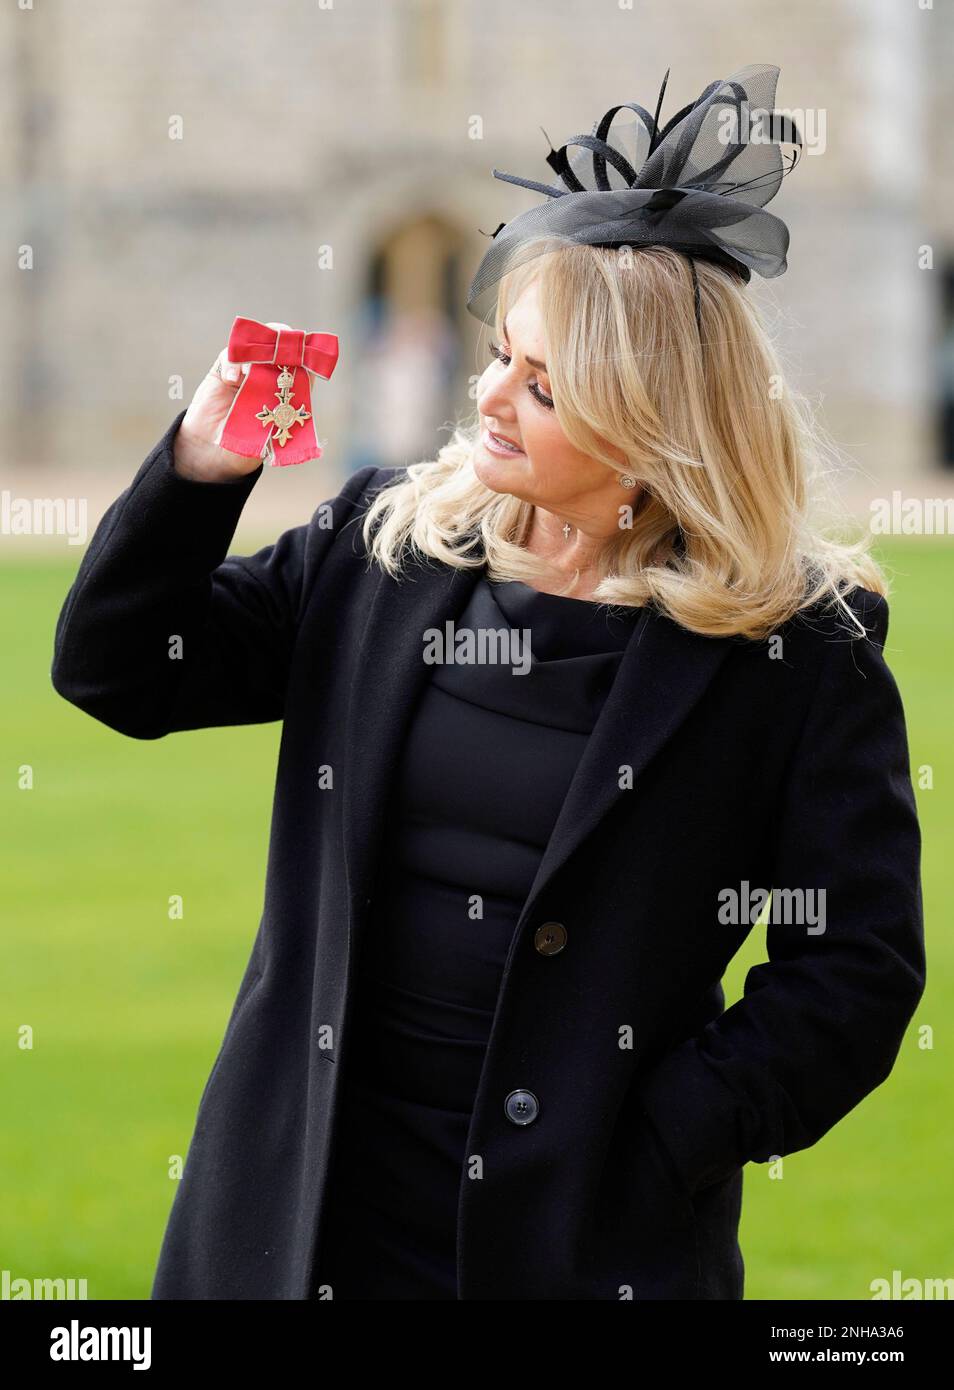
197,453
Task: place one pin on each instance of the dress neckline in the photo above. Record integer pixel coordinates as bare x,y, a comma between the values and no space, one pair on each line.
562,626
527,593
560,672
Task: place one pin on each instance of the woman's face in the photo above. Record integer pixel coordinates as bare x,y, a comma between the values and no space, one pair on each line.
547,471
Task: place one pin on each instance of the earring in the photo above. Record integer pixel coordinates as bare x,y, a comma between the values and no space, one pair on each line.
627,480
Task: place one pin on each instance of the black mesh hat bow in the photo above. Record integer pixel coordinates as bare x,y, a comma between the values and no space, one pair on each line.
698,184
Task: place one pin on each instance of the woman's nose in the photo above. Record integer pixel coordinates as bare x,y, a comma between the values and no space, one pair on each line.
493,399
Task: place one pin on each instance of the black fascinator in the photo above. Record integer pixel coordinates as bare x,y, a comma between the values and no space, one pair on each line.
698,184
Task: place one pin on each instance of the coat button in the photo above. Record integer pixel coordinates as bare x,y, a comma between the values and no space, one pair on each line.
550,938
521,1107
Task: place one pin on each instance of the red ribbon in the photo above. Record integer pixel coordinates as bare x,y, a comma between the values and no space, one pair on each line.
269,350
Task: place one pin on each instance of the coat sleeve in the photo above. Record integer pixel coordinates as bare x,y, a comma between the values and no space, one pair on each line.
820,1024
161,630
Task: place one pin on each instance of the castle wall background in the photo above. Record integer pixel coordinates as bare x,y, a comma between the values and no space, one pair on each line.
331,168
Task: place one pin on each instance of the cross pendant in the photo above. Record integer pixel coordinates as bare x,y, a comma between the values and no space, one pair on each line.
567,528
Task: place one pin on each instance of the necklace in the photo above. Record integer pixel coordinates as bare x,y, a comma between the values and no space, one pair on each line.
567,528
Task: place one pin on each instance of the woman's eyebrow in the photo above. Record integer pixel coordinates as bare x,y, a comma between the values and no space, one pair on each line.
532,360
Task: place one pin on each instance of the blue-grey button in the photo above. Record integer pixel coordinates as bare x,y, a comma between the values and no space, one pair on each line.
521,1107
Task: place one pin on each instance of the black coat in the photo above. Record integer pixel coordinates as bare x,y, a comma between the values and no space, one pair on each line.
645,1095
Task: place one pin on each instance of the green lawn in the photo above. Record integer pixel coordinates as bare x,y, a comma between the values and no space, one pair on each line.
127,1007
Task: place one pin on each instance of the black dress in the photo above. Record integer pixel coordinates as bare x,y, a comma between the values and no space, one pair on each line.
489,757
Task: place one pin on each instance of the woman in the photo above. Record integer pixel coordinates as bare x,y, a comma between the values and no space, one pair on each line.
557,717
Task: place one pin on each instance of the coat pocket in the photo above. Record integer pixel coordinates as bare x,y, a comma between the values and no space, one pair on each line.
642,1242
654,1166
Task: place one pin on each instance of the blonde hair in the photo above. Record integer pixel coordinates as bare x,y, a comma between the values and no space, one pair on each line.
725,454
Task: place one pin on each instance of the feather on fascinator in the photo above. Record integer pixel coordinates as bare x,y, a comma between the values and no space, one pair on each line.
698,184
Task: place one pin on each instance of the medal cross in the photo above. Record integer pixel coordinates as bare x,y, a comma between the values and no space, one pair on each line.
284,415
